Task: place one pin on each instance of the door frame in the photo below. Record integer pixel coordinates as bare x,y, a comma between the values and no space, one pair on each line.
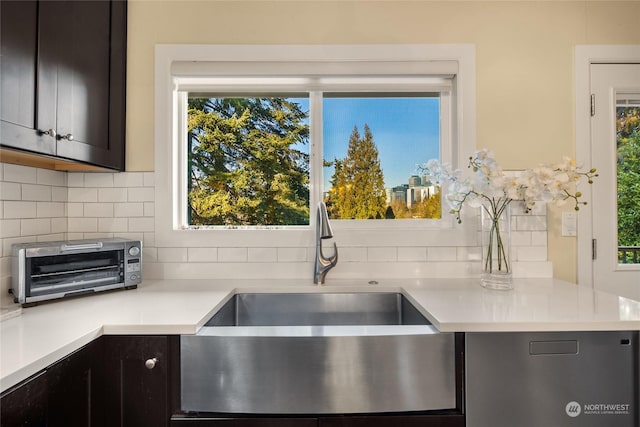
584,56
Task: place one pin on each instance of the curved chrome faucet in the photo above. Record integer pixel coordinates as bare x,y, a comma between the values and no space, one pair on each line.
323,231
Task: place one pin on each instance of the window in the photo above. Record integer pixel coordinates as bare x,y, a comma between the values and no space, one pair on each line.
257,135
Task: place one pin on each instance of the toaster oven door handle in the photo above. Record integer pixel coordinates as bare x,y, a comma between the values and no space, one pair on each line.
81,247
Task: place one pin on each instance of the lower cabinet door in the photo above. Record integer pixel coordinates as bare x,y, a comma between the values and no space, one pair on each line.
26,404
135,381
73,390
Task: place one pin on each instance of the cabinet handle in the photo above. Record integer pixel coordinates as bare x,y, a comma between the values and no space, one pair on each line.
151,363
50,132
68,137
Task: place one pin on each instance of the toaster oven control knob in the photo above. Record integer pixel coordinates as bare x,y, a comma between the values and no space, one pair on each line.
134,251
151,363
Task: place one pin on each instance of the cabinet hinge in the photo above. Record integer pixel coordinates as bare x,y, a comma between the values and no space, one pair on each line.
594,249
593,105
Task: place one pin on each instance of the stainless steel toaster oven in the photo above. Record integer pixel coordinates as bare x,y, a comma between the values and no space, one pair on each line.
49,270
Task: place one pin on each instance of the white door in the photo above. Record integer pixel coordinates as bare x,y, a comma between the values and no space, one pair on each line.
616,192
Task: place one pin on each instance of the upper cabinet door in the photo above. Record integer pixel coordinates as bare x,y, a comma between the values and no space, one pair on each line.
20,127
84,80
63,79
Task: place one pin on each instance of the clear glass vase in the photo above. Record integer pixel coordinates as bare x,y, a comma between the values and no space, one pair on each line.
496,247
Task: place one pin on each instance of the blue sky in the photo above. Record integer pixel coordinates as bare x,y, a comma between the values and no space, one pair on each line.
405,130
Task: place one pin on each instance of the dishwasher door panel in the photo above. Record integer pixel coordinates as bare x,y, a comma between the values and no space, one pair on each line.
586,379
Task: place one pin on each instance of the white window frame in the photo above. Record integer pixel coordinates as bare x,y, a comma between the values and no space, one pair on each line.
170,164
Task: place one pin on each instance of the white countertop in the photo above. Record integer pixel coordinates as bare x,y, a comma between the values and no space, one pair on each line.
43,334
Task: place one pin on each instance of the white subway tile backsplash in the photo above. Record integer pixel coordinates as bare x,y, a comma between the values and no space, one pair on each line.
113,225
81,194
172,255
232,254
149,209
50,177
292,254
53,205
520,238
9,228
75,210
352,254
112,195
51,237
6,243
149,239
98,180
129,209
10,191
385,254
35,227
83,225
530,253
98,235
75,179
130,236
412,253
442,254
34,192
19,173
531,223
149,179
262,255
59,225
141,224
50,209
98,210
149,255
19,209
128,179
59,194
473,253
141,194
202,254
539,238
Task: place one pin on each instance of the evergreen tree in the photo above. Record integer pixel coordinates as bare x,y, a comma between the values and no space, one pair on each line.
244,165
629,176
358,182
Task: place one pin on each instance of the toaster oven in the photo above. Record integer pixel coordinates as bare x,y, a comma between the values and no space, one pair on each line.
49,270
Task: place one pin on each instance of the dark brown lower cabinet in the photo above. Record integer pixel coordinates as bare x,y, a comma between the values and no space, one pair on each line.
74,388
136,392
108,383
64,394
26,404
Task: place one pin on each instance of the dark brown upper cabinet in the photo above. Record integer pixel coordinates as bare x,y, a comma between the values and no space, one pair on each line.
63,79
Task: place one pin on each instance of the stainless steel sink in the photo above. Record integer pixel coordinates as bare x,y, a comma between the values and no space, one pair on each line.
317,353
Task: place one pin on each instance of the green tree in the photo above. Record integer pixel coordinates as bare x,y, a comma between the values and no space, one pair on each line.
628,144
358,182
246,167
427,208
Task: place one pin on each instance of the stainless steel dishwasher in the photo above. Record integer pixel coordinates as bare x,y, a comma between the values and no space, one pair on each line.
558,379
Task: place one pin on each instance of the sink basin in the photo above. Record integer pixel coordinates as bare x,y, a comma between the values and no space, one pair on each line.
322,309
317,353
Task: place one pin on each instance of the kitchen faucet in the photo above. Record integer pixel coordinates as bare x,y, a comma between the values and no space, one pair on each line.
323,231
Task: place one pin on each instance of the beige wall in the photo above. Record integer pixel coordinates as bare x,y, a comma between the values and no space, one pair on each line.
524,52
